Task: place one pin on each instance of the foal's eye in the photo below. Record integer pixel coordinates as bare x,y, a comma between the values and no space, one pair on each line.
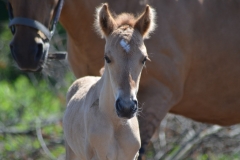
107,59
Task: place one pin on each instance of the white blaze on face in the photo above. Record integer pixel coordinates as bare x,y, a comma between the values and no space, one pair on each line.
125,45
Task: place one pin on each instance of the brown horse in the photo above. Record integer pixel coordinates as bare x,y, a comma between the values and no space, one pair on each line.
93,127
37,26
194,69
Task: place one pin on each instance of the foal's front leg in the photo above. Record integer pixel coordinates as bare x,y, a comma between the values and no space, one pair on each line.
70,155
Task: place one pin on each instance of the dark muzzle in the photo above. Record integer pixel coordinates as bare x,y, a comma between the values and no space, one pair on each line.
33,60
126,109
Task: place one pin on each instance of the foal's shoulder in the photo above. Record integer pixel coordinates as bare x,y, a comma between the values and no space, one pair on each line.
81,85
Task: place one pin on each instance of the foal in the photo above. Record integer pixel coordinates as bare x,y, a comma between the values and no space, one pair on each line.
100,121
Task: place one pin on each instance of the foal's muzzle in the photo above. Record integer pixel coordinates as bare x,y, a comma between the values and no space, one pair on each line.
126,109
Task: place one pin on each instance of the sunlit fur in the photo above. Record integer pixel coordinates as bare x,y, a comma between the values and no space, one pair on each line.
94,127
127,19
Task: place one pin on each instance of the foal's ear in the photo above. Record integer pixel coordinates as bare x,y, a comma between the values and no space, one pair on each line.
104,23
145,23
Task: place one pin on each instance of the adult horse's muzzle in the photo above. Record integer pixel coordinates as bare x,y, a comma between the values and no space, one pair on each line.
126,108
28,48
29,51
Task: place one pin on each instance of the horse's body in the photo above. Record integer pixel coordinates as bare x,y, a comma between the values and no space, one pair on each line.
195,58
93,127
194,69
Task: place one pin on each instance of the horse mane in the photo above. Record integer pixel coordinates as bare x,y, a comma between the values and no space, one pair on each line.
125,19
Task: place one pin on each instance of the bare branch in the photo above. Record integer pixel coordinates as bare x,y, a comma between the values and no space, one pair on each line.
41,140
195,138
31,130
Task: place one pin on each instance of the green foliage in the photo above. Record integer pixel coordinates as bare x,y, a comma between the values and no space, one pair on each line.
203,157
3,14
211,156
22,103
8,70
23,96
31,107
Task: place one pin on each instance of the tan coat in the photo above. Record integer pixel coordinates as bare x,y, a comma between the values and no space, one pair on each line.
100,121
93,134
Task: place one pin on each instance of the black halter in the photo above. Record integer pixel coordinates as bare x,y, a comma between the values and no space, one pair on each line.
38,25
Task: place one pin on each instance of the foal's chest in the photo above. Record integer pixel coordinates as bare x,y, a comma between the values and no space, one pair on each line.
107,142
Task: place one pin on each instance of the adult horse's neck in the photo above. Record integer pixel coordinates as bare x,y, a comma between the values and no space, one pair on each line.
75,15
85,57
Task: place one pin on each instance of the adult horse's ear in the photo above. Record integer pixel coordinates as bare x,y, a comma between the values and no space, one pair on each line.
104,22
145,23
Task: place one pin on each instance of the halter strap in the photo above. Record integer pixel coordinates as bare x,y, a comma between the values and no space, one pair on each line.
57,15
31,23
39,26
34,23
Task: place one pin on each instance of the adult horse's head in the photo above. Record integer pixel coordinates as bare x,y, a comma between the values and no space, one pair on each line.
125,54
32,23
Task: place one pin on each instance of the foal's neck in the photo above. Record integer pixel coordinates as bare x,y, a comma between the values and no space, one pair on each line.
107,99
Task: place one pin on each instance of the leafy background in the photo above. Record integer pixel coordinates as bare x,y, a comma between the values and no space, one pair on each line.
32,106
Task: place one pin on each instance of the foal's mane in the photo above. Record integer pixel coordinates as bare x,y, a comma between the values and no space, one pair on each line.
125,19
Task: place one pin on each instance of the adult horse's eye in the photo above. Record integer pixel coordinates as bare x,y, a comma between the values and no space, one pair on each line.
107,59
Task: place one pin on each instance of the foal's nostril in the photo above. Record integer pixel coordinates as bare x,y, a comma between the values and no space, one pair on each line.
39,51
118,105
135,102
134,107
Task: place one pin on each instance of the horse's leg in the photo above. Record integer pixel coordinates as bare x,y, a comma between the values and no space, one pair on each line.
155,99
149,121
70,155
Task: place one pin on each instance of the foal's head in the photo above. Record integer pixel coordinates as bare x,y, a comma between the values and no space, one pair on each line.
29,46
125,54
